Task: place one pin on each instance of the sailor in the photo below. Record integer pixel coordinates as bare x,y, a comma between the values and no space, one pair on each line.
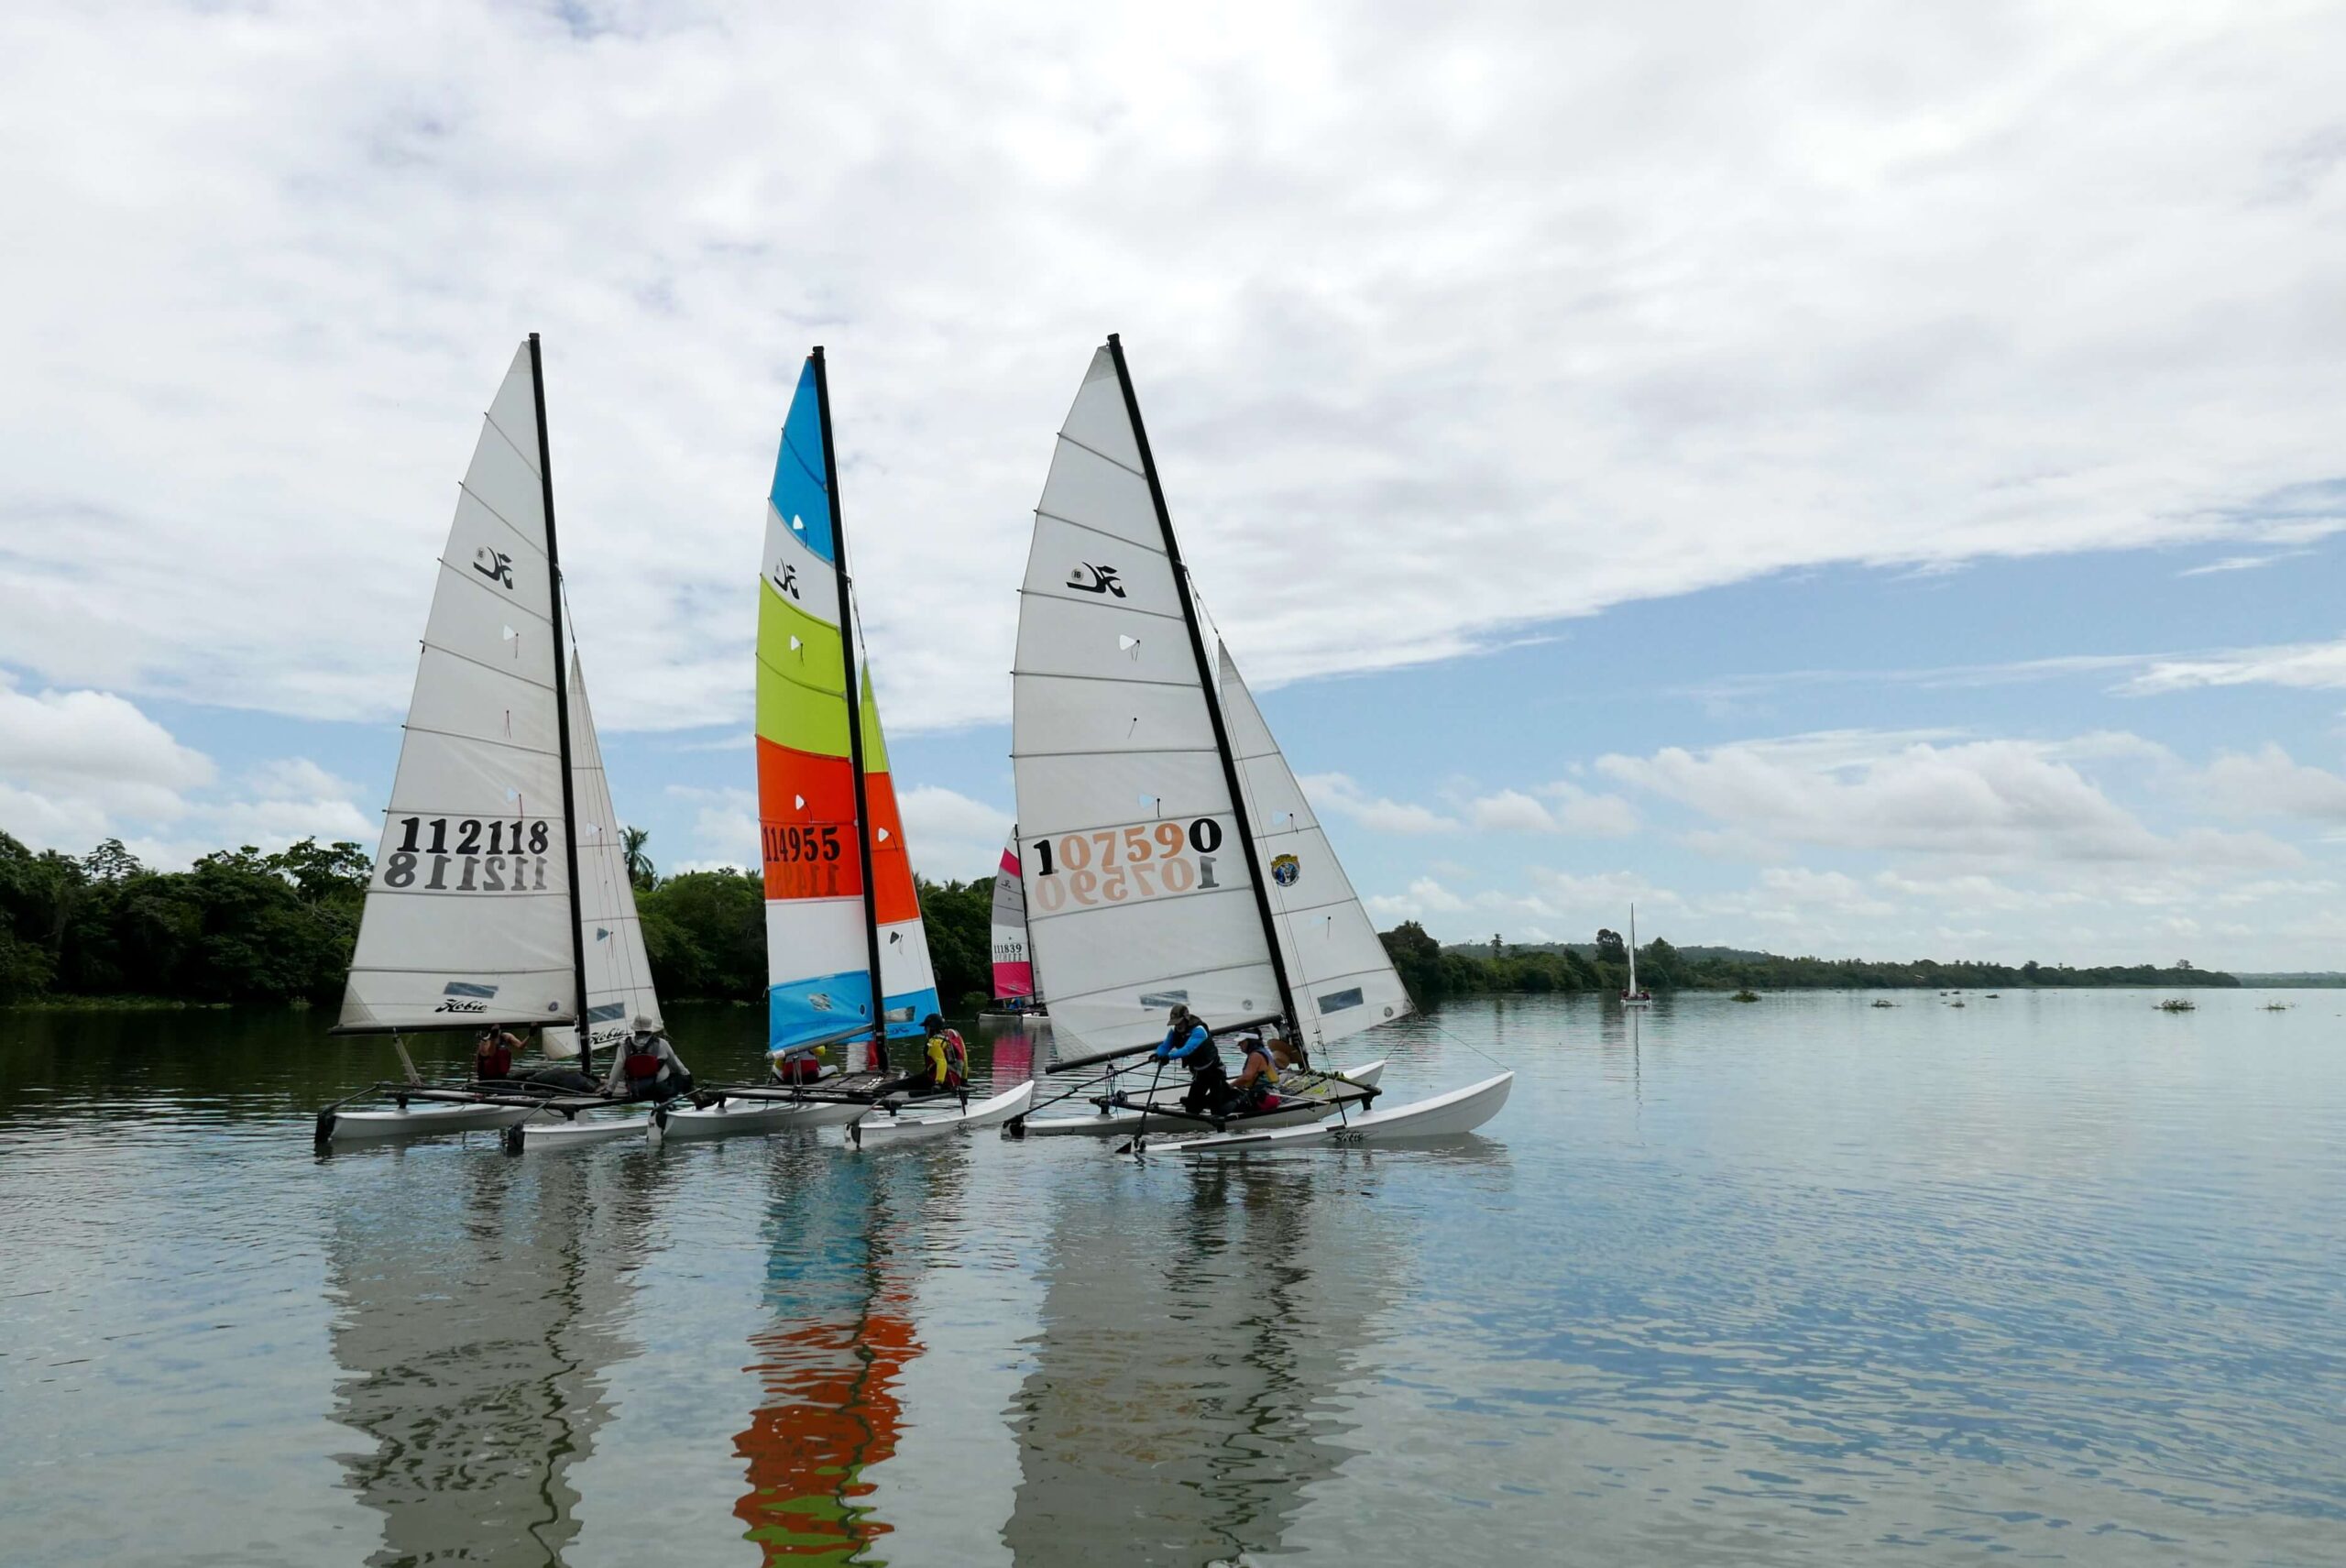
947,1055
493,1054
648,1068
796,1064
1255,1089
1189,1040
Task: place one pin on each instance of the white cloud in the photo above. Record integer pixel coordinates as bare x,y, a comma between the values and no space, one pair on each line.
2269,782
1996,800
2238,563
92,755
953,837
1511,811
723,831
1934,285
2306,666
1338,794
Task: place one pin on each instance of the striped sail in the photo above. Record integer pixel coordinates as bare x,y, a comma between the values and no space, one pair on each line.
817,962
611,937
1344,982
467,913
1014,967
1138,893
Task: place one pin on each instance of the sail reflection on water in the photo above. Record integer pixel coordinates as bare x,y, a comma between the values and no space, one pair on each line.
1190,1370
841,1286
478,1305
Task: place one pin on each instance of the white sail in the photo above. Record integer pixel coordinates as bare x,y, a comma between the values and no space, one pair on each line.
1137,893
1342,981
610,936
468,915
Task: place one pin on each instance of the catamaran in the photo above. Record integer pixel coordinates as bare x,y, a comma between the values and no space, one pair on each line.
1631,996
1168,854
847,956
1015,993
477,913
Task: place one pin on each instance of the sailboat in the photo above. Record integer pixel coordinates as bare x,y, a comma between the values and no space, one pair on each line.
847,957
1170,856
474,916
1015,993
1631,996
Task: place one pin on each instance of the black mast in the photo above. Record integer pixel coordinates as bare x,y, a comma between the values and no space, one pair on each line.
1207,675
854,717
561,718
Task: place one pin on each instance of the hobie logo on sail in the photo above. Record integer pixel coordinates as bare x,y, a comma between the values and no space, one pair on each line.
784,578
494,565
1103,580
464,996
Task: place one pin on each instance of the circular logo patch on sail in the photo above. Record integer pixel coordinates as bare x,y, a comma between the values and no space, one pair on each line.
1287,871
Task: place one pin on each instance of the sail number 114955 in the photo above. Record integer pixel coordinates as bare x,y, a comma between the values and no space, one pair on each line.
1113,865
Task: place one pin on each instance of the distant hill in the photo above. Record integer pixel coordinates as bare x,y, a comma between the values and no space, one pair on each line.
2326,980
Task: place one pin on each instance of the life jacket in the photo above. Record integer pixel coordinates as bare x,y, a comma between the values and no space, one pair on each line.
494,1063
643,1065
957,1057
1205,1058
802,1069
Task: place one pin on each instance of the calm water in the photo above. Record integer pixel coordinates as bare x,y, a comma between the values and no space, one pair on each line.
1800,1282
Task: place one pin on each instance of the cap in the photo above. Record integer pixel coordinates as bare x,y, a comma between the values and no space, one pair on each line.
935,1021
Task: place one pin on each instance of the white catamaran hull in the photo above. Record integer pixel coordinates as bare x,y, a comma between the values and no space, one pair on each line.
422,1122
550,1130
1443,1116
731,1117
1295,1112
885,1129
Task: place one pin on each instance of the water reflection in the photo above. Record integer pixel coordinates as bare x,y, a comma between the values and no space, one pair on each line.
1189,1358
478,1301
844,1261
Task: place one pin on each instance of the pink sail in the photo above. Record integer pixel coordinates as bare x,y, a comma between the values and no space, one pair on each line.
1013,966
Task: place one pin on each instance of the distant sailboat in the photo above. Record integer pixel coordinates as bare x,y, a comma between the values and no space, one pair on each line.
1633,996
475,914
1016,991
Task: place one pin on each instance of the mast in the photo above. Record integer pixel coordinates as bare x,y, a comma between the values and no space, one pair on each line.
562,716
848,628
1633,949
1209,677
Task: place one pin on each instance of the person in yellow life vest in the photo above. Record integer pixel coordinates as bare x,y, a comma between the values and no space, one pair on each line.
948,1056
1257,1086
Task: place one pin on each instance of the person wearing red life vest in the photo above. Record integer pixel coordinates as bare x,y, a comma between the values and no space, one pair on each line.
647,1067
493,1056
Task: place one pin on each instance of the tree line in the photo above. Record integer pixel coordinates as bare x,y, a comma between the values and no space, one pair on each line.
241,925
1432,971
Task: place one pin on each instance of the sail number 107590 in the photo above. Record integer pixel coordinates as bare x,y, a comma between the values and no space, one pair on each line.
1113,865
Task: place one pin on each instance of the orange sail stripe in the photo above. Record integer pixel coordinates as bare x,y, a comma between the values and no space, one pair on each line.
806,822
806,804
894,897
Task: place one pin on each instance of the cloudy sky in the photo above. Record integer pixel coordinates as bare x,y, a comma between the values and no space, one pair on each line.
1854,478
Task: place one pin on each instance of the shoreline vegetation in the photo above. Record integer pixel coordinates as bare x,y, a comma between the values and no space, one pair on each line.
103,932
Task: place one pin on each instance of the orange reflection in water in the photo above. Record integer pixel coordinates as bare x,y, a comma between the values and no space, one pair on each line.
830,1413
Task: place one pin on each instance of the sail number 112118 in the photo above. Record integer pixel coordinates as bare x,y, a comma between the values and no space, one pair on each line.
1115,865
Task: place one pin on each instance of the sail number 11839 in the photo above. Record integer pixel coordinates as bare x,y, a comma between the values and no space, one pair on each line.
1115,865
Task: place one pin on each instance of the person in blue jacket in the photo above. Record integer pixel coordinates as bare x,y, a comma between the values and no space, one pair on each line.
1186,1040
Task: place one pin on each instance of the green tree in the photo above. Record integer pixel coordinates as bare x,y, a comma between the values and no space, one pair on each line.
641,871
